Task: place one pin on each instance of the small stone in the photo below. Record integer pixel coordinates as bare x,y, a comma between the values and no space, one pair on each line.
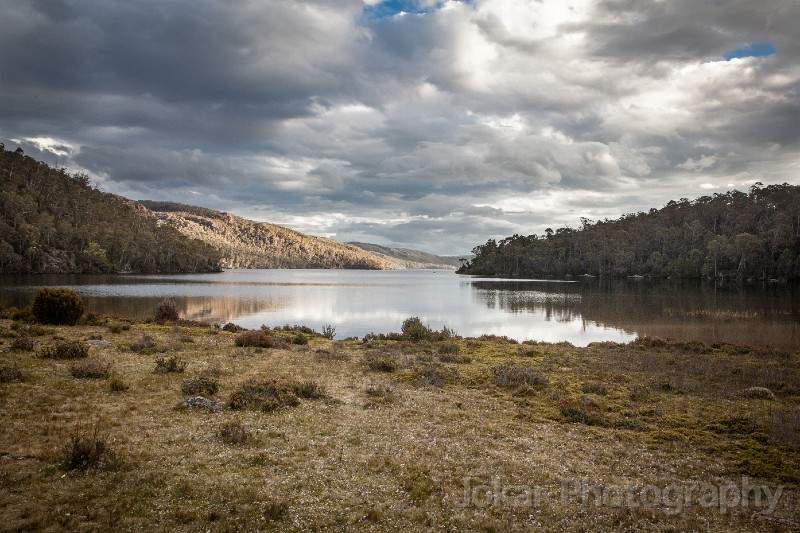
98,342
198,402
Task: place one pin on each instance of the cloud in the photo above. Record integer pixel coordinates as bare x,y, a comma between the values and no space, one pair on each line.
438,128
701,163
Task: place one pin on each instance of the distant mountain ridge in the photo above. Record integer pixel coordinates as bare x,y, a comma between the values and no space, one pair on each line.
248,244
401,258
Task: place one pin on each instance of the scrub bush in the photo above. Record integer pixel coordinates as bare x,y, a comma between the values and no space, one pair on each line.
57,306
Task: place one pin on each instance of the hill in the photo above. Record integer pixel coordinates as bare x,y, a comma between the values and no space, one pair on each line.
247,244
735,235
401,258
54,222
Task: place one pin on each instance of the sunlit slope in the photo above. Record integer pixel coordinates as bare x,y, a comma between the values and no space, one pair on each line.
248,244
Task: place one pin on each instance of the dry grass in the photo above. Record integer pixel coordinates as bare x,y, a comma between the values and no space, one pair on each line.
91,368
406,462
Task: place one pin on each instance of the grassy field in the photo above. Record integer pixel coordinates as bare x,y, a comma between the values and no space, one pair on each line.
419,432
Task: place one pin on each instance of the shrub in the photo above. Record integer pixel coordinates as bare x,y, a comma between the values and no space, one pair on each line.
296,328
91,369
170,365
22,344
166,311
235,433
22,315
379,362
146,345
30,330
93,318
380,394
594,387
255,339
204,384
86,450
413,329
499,338
310,390
433,375
232,328
266,396
512,375
639,391
328,331
783,427
332,355
272,394
300,339
57,306
575,411
115,327
117,384
378,390
448,348
648,342
65,350
10,373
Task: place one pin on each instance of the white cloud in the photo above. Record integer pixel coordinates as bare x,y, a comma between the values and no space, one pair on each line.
701,163
473,118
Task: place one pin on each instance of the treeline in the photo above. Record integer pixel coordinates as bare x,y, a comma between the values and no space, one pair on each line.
54,222
735,236
248,244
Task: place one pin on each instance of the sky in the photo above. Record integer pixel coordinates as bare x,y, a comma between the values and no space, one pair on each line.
433,125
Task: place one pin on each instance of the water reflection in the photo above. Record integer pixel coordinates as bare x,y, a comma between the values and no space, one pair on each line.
360,302
687,310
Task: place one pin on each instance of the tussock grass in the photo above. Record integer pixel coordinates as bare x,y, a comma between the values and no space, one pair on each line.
65,350
271,394
91,368
23,344
203,384
11,372
516,375
174,364
235,433
257,339
87,449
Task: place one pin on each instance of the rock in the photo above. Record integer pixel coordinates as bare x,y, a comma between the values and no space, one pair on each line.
761,393
198,402
98,342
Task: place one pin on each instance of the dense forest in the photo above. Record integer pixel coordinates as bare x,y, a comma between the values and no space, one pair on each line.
734,236
54,222
248,244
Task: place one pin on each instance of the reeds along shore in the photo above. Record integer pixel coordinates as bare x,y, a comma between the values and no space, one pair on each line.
144,426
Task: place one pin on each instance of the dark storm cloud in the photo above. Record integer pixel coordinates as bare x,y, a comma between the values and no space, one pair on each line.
441,127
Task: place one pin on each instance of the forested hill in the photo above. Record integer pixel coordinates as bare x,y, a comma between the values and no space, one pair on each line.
733,236
247,244
53,222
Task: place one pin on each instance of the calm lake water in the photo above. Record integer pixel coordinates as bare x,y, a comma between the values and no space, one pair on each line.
358,302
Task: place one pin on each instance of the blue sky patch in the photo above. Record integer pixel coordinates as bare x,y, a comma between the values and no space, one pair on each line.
751,50
393,7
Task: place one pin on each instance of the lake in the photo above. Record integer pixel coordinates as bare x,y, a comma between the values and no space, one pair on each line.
357,302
